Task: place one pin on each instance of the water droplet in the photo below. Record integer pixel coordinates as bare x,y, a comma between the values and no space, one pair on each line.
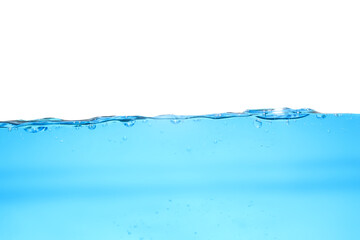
257,123
35,129
129,123
320,116
175,121
91,126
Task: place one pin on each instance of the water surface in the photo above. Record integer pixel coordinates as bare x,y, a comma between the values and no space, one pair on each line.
261,174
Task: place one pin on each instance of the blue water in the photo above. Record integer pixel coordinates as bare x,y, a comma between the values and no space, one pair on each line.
261,174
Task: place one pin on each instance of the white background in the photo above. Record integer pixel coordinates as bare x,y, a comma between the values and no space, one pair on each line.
79,59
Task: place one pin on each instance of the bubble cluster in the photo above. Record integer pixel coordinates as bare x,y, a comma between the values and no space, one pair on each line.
129,123
320,116
35,129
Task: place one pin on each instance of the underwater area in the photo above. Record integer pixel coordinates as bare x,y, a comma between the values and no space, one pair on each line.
261,174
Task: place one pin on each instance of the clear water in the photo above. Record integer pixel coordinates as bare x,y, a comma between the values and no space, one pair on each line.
261,174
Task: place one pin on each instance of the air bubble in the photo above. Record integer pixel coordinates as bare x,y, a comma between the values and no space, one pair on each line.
35,129
129,123
124,138
175,121
91,126
257,123
320,116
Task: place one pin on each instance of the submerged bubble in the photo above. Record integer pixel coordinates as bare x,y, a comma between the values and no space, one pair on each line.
175,121
129,123
257,123
320,116
91,126
35,129
124,138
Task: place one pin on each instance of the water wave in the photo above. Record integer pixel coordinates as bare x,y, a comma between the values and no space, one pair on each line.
269,114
